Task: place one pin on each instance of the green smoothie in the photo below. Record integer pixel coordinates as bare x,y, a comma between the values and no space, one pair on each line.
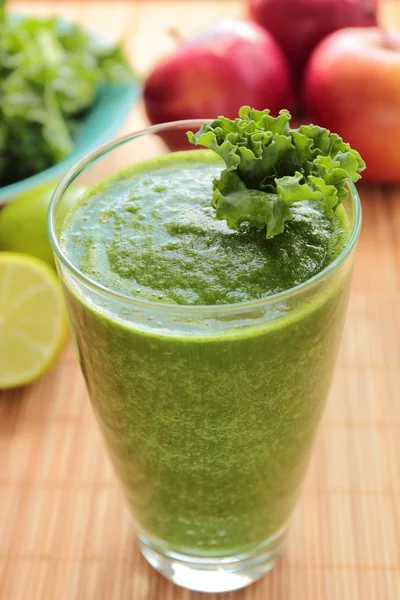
210,414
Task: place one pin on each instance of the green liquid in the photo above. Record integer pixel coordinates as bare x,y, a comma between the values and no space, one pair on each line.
209,425
151,232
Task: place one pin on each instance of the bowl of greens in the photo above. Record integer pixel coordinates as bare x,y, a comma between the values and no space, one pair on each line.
63,92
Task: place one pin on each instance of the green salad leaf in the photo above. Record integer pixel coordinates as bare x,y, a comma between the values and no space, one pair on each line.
270,167
50,73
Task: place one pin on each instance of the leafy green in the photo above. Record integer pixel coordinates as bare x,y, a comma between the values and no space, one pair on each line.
50,73
270,166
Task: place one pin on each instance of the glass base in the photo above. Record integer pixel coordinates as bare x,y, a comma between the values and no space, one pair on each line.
207,574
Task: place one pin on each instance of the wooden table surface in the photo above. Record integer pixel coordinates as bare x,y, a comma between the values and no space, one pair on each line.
65,532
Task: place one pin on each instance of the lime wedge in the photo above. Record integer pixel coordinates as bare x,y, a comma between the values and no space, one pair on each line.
33,322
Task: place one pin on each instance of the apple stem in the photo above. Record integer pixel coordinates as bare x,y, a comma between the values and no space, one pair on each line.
387,39
176,35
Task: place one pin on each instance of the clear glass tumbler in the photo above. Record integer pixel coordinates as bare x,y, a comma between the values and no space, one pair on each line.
208,413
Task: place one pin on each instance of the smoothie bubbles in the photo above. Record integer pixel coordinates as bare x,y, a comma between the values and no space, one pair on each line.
207,292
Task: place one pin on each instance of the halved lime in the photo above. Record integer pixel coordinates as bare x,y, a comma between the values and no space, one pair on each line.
33,321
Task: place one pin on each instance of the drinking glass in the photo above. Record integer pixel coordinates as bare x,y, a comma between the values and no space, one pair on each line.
208,413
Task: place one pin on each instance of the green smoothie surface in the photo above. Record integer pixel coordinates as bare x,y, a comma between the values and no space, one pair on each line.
151,232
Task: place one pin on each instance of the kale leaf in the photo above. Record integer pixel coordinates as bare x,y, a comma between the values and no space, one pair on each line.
270,166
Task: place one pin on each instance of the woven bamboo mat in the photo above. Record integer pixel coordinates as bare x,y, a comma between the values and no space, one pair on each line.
65,533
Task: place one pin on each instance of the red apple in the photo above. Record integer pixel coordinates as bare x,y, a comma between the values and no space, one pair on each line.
230,64
298,25
352,87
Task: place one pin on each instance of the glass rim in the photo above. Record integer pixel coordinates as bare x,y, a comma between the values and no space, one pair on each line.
85,162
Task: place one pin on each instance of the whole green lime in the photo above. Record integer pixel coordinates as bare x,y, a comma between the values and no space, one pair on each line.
23,225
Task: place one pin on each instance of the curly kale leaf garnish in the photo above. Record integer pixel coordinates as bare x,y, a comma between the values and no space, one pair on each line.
270,167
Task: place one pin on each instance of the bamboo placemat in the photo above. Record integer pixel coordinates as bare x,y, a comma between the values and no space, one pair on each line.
65,532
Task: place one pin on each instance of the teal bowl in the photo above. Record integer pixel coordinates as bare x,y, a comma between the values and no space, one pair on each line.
101,123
